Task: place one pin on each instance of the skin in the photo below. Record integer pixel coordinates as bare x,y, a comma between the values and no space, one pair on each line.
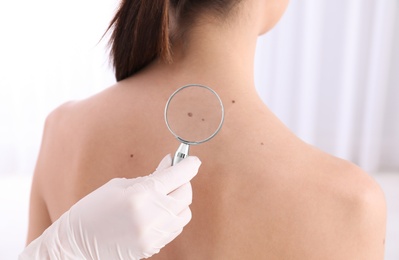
261,192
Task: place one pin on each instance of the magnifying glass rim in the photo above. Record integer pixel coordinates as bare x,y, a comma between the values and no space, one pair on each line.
178,137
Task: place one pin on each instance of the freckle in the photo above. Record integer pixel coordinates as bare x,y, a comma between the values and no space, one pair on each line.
233,101
190,114
262,144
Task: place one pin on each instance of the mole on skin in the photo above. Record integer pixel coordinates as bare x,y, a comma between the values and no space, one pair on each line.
132,155
190,114
233,101
261,143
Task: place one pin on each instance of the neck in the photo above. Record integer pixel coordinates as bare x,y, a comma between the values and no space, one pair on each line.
224,61
221,57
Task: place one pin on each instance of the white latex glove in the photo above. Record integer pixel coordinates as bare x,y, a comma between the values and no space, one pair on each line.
123,219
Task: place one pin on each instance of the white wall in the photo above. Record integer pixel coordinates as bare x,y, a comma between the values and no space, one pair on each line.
49,53
330,71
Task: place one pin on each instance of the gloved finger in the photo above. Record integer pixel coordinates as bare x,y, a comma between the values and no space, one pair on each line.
185,216
126,183
164,240
173,230
172,224
171,207
166,162
183,194
177,175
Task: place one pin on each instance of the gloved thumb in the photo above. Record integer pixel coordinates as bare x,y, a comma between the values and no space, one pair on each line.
165,163
175,176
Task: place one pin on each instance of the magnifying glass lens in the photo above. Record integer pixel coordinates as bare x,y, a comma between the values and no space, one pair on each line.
194,113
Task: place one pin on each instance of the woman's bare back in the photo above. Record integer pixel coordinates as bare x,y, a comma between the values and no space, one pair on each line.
261,193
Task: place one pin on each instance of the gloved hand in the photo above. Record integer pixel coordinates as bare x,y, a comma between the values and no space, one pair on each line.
123,219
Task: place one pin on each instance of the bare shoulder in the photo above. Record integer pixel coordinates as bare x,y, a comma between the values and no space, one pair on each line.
56,160
39,216
357,188
352,207
57,118
73,115
367,205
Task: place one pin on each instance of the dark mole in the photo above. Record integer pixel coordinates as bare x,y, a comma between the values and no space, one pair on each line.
190,114
233,101
132,155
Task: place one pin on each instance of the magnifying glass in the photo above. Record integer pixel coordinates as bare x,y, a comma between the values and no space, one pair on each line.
194,114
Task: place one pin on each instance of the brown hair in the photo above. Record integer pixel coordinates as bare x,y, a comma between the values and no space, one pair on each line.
141,30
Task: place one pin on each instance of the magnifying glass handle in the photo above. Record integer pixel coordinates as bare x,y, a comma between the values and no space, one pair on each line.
181,153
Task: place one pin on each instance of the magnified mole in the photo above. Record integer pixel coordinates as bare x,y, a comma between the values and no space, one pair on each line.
233,101
203,119
190,114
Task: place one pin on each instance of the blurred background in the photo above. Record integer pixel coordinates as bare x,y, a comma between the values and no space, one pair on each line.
329,70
